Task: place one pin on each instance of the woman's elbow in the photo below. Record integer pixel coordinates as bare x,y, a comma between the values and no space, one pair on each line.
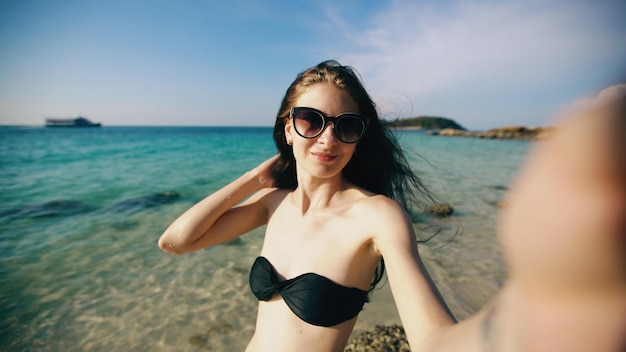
168,245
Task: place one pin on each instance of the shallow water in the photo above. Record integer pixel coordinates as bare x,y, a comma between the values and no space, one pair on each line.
81,211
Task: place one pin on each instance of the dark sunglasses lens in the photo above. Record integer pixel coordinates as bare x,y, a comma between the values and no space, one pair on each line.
350,128
308,123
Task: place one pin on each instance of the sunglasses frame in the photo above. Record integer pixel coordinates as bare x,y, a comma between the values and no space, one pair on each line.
326,119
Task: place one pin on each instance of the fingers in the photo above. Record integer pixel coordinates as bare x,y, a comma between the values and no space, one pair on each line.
264,171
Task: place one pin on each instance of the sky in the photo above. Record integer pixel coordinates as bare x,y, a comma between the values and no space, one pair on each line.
483,63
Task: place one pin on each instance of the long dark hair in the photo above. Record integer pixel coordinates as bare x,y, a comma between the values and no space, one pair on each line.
379,165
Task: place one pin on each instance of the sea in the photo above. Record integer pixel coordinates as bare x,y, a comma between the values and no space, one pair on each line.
81,210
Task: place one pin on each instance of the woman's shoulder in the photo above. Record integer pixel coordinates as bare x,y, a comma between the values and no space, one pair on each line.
369,199
380,208
386,222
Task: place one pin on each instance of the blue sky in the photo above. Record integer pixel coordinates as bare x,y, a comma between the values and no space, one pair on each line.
183,62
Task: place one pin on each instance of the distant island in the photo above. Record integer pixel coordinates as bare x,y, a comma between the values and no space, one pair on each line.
424,123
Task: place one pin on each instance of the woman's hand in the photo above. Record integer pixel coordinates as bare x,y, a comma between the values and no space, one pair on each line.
264,172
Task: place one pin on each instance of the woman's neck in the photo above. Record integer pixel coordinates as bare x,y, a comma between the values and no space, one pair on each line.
318,193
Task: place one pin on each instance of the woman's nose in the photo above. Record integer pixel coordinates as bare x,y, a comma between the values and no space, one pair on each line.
328,135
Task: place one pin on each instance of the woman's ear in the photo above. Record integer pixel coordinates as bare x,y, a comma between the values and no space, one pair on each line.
289,132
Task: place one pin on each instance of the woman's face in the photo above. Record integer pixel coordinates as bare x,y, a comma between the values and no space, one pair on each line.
324,156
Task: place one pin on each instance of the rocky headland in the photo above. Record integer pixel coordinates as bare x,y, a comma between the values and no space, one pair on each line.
506,132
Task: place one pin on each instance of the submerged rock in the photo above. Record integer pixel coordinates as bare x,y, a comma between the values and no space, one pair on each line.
198,340
125,225
380,339
234,242
500,188
441,210
49,209
145,202
203,339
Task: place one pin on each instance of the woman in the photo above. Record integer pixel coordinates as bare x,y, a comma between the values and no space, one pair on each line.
326,199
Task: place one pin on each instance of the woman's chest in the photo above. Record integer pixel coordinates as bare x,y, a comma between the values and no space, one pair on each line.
334,244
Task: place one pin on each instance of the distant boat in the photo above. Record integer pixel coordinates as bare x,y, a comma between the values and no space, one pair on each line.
75,122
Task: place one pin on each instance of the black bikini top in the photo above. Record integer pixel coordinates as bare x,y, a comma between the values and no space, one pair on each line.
313,298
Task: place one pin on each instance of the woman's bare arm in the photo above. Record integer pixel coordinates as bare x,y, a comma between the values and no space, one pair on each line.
219,217
422,309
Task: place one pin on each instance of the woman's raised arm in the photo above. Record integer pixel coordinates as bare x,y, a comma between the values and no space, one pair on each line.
220,216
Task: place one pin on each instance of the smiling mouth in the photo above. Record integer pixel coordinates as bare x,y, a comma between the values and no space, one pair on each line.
324,157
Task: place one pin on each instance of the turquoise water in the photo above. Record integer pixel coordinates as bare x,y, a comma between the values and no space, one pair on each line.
81,211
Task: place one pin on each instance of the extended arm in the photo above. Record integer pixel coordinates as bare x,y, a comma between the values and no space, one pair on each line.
422,309
564,237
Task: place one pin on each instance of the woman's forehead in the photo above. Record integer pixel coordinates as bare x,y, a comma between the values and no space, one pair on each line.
327,98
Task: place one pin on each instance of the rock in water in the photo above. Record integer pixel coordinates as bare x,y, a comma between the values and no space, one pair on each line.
149,201
49,209
441,210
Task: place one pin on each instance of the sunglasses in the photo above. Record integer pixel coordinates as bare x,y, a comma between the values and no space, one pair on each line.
349,127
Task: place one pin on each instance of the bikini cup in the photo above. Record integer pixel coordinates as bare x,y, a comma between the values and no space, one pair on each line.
313,298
